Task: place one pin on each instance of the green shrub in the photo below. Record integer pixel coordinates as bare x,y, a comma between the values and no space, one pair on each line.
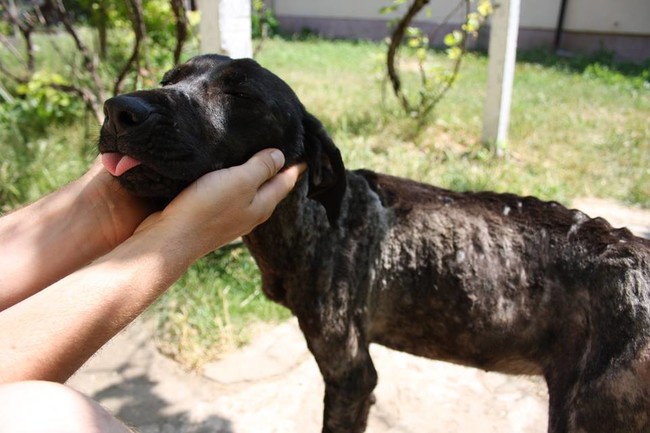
263,21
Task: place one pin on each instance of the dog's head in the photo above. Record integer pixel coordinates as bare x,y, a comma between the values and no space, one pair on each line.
210,113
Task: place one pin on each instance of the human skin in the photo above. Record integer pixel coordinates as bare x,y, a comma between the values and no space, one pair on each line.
80,264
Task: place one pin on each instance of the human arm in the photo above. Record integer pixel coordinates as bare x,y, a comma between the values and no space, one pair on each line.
58,234
52,333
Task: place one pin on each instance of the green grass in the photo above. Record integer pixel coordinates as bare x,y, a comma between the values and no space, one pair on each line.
32,166
579,127
214,307
572,132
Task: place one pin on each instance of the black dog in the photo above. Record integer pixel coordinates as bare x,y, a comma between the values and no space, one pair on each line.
493,281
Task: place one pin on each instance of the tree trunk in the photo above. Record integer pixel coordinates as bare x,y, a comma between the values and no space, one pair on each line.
102,30
137,19
178,6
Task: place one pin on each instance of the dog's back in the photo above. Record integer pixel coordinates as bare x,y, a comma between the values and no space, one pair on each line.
492,280
517,285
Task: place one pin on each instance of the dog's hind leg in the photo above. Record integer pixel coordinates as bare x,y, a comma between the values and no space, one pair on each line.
618,401
349,375
601,384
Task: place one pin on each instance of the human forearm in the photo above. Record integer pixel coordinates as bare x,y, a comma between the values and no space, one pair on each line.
62,232
51,334
37,242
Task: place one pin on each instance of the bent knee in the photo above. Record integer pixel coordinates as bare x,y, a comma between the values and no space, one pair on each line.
37,406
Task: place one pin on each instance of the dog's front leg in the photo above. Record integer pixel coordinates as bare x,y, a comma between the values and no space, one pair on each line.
348,399
349,375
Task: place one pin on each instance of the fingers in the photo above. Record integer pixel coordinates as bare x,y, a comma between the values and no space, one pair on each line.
227,203
277,188
262,166
242,180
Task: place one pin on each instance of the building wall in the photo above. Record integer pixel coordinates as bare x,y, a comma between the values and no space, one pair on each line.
621,26
606,16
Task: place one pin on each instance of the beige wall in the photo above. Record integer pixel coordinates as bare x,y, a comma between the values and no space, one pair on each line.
590,16
609,16
353,9
536,14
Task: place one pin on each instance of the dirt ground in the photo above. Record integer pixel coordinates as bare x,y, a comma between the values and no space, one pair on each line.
273,384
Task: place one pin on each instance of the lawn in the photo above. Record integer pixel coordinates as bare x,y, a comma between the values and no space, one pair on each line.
579,127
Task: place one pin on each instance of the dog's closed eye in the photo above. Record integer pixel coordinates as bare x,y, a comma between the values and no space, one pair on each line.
240,95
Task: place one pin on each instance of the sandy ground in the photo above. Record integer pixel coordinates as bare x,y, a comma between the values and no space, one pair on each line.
273,384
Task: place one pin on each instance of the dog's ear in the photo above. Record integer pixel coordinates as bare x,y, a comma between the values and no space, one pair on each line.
325,168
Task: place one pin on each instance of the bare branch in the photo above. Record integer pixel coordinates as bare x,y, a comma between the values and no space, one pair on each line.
446,20
429,98
9,46
88,97
11,75
140,32
25,23
395,41
426,108
89,63
178,7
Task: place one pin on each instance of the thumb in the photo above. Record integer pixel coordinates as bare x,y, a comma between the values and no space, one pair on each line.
262,166
240,179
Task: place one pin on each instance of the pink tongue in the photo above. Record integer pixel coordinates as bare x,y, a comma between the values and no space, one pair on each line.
117,164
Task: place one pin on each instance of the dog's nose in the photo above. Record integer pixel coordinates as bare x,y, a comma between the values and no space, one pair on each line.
124,112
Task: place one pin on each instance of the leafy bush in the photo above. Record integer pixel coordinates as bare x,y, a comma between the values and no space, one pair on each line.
32,166
263,21
39,103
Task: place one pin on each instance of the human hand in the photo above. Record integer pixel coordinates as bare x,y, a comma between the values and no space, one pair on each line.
225,204
116,212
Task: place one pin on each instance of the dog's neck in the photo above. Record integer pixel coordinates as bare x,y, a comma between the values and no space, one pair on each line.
296,221
297,246
288,244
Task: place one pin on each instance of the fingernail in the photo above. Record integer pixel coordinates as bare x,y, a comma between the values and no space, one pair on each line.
278,158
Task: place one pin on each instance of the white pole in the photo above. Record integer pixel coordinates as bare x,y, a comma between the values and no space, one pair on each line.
209,26
501,70
225,27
